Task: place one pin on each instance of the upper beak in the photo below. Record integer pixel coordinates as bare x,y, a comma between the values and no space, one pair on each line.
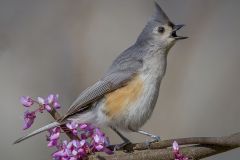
175,29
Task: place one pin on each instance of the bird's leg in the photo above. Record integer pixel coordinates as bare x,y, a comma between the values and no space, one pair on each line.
125,140
154,137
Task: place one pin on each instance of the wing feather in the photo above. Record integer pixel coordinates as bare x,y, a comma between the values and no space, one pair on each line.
122,70
99,89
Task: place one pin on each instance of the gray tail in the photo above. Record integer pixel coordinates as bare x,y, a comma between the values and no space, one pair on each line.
40,130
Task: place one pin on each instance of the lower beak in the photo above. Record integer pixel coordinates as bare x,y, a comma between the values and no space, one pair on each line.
175,29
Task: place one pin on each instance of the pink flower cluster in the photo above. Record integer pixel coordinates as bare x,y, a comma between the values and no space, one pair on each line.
176,152
43,104
92,139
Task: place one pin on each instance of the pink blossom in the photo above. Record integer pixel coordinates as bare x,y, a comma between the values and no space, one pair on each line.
175,146
28,119
51,100
92,140
56,104
71,150
54,135
44,104
100,142
73,126
176,152
26,101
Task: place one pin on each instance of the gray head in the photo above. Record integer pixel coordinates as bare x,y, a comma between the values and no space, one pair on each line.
160,30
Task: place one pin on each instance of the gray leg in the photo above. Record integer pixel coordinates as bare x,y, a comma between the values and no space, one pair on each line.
126,141
154,137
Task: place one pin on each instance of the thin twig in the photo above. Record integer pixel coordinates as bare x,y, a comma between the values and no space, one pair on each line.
54,113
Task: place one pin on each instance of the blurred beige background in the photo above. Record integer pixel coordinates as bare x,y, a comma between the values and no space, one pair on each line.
62,46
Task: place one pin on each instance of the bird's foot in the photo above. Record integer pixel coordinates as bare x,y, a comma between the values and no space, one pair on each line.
154,139
123,146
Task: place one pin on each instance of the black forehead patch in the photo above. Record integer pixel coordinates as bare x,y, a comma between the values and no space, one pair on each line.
170,24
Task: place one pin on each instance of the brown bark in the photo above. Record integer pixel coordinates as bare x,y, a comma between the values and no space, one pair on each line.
193,148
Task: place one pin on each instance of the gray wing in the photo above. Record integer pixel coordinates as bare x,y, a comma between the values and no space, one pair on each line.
96,91
121,71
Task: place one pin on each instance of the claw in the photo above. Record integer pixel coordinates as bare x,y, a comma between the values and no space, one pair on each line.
155,139
121,146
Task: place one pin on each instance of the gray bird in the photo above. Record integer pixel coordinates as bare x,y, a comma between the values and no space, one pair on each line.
125,97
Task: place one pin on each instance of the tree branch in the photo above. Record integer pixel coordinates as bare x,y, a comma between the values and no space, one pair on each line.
193,152
194,147
197,148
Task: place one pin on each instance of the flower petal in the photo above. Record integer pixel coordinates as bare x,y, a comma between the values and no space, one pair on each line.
55,136
52,143
28,119
175,146
99,147
41,100
96,138
48,108
56,105
50,99
26,101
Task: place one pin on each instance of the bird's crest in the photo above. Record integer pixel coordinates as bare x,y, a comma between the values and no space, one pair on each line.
159,15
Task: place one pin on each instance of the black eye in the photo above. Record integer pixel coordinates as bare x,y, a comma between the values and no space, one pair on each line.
161,29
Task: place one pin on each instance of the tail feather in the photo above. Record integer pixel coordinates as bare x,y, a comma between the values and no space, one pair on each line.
40,130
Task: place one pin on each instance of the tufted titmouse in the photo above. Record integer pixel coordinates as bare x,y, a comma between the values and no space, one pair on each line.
124,98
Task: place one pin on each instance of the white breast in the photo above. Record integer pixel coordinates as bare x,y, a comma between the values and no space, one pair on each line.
151,74
140,111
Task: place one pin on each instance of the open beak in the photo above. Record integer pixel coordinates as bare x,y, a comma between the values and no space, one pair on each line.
174,32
